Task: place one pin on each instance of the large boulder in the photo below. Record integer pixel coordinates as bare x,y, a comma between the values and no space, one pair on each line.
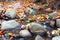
11,24
32,11
35,27
53,15
38,37
58,22
56,38
17,5
10,13
25,33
